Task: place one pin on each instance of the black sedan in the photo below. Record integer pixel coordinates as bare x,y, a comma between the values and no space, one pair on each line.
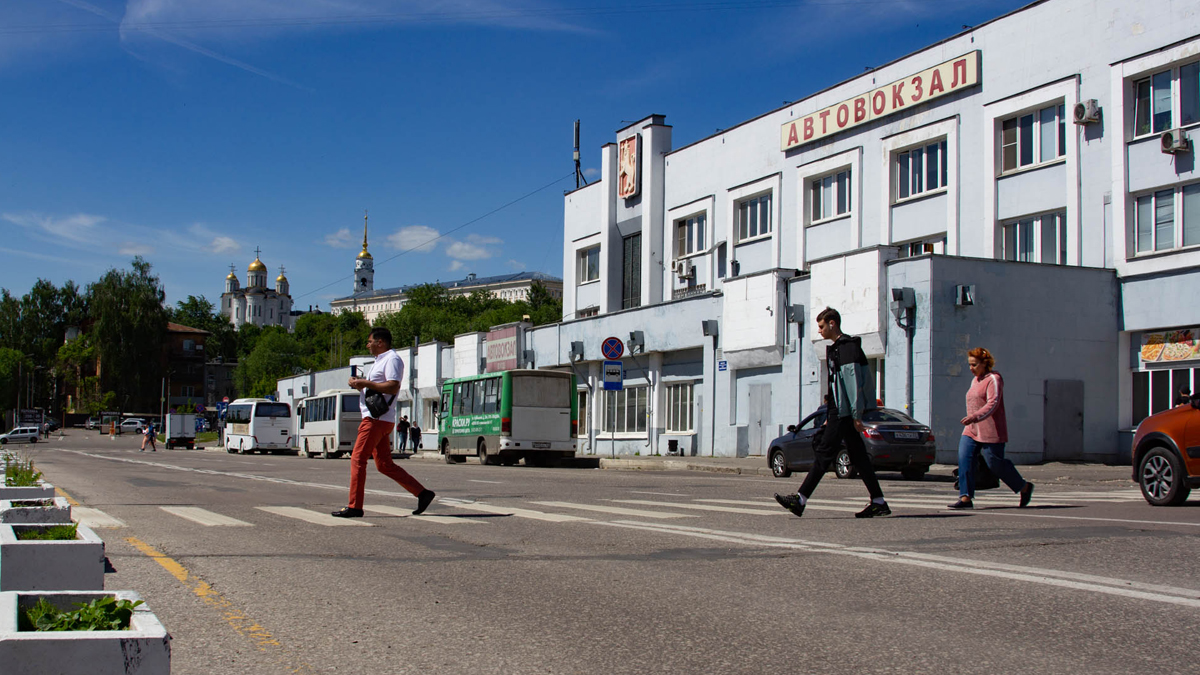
893,439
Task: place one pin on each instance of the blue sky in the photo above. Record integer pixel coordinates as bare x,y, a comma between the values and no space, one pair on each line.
193,131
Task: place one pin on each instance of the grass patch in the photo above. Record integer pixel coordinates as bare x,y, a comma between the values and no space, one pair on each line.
20,472
206,437
105,613
33,503
48,533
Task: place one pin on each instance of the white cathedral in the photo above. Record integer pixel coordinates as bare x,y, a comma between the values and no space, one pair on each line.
256,303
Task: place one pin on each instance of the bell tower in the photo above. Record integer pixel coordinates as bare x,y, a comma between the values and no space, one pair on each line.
364,265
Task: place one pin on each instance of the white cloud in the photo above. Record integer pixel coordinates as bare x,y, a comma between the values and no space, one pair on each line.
218,243
475,247
456,265
134,248
516,264
225,245
340,239
591,174
79,228
416,238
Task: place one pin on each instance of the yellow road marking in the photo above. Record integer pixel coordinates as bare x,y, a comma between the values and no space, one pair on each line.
63,493
236,618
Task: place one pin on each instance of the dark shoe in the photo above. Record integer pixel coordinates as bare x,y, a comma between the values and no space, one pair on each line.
874,510
348,513
960,504
791,503
1026,494
423,501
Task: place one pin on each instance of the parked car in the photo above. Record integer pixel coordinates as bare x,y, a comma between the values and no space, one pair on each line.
893,439
92,423
133,424
18,434
1166,454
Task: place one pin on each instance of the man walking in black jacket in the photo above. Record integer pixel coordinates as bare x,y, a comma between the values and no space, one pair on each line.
851,392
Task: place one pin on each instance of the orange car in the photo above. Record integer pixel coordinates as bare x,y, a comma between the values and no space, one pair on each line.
1166,454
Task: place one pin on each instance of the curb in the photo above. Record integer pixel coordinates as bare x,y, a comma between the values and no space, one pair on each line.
638,464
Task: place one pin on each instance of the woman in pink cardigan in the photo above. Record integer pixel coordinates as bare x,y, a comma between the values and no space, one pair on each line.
986,431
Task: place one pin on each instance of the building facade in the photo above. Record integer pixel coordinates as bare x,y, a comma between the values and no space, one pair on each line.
257,303
511,287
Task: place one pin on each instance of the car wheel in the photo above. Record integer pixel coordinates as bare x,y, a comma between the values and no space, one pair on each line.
485,457
33,440
913,472
1162,478
779,465
843,467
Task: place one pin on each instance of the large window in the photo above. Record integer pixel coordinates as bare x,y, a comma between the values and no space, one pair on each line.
689,235
625,411
679,407
583,411
754,217
1166,96
589,264
1033,138
1156,214
830,196
1157,390
1037,239
631,271
921,170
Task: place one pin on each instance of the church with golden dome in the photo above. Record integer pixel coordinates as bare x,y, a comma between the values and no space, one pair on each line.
257,303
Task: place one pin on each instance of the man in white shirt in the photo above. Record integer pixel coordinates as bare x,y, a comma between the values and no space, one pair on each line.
375,433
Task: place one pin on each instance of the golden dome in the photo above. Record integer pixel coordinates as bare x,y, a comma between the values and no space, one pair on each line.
231,276
363,253
281,278
257,266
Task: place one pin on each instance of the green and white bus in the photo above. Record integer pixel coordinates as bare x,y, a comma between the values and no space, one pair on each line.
507,416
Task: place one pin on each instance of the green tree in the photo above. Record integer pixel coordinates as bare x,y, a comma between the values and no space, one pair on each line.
276,354
129,328
13,365
198,312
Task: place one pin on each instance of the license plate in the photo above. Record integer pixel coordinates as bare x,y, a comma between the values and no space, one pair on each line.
908,435
538,445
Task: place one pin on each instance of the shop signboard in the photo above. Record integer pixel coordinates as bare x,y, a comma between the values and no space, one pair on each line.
1166,348
501,348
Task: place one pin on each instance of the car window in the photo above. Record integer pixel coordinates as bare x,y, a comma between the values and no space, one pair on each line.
887,415
813,422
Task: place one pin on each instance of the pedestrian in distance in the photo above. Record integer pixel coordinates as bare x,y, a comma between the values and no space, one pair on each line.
851,392
148,438
375,431
1184,397
985,430
414,434
402,433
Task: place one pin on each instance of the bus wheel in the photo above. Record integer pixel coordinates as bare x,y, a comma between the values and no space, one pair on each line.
241,447
485,457
229,448
325,454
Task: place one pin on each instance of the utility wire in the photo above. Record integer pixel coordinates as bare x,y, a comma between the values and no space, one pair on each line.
450,231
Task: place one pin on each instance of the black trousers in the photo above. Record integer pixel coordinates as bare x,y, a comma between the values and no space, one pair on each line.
841,429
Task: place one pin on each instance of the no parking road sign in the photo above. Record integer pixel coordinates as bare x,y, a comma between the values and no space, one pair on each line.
612,348
614,376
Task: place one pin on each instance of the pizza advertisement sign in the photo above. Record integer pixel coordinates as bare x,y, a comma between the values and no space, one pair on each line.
1173,346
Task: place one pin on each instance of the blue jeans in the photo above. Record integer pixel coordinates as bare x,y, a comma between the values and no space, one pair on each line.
993,456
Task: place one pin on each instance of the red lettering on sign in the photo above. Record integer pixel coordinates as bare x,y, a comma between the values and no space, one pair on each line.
808,128
935,83
823,114
878,102
916,82
843,115
792,138
959,65
897,99
860,109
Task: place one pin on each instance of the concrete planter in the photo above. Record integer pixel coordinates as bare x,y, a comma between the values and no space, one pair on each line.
33,565
144,649
42,490
55,510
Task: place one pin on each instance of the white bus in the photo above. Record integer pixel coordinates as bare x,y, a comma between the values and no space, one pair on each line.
258,424
328,423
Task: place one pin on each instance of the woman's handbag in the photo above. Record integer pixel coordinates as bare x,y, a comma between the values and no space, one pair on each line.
377,403
984,478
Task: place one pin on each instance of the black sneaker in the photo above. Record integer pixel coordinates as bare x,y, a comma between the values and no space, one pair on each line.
791,503
423,501
874,510
960,504
348,513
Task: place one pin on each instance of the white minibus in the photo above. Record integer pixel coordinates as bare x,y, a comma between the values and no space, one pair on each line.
258,424
328,423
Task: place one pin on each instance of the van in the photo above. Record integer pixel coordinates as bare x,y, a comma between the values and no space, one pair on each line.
27,434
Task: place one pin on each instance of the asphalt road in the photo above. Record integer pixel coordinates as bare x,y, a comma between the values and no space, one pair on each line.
532,570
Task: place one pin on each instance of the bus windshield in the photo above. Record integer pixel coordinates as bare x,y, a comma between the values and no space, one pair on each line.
532,391
272,410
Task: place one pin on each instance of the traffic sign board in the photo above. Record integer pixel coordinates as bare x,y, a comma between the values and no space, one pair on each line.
614,375
612,348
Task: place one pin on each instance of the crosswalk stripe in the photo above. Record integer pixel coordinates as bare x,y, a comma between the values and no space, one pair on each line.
702,507
617,510
204,516
407,513
314,517
811,505
95,518
511,511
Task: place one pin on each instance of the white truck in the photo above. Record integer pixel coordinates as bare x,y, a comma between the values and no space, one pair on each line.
181,430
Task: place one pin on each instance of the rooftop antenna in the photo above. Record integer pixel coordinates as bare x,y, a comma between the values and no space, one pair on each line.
580,181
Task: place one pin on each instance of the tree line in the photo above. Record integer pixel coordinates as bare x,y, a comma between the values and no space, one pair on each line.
118,326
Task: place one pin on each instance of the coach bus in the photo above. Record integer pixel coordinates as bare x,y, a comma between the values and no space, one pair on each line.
507,416
328,423
258,424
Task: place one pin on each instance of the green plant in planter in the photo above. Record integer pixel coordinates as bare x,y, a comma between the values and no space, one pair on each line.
105,613
20,472
49,533
32,503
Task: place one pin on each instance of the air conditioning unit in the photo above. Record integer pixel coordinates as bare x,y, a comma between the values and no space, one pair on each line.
1086,112
684,269
1175,141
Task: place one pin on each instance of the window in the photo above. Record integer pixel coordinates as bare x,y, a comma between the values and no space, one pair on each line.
916,248
830,196
679,407
1154,100
689,235
1033,138
1157,390
589,264
491,395
1038,239
1155,216
631,271
588,311
754,217
921,170
625,411
583,410
533,391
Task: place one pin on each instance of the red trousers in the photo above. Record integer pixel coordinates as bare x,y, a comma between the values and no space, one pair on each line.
375,438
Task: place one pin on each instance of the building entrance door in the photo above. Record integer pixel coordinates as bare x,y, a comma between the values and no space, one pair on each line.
1062,420
760,418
